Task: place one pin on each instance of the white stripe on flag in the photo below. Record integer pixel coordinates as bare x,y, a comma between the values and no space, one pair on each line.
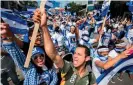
49,4
15,24
105,5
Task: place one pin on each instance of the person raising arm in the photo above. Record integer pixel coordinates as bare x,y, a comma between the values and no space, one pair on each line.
76,73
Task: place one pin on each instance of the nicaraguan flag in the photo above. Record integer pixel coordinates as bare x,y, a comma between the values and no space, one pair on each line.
26,14
105,8
130,4
107,75
49,4
101,21
16,23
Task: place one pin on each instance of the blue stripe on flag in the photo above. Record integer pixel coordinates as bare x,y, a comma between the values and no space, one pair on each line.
130,4
13,17
129,68
20,26
50,4
105,8
110,69
18,30
47,7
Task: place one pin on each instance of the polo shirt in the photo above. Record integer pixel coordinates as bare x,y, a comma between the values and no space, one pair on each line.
70,75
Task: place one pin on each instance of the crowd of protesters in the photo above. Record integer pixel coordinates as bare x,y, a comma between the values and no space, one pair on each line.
92,48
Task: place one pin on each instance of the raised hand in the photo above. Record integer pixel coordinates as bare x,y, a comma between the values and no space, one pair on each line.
127,52
5,31
40,17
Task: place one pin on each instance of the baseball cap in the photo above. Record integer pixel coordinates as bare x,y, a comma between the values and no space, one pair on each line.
37,50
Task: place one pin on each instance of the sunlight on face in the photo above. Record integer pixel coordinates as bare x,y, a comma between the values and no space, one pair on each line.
79,57
72,29
39,60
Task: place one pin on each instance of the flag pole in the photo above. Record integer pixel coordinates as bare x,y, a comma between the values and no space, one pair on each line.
33,38
103,26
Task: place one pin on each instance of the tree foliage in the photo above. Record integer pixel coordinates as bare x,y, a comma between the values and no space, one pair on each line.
74,7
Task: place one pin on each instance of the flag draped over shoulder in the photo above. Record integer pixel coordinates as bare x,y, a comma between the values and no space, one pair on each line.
107,75
105,8
15,21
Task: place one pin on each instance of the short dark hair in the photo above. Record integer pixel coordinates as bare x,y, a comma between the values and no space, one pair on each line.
129,17
103,46
72,26
87,50
119,41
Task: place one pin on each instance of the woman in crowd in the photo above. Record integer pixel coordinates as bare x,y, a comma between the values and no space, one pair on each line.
40,71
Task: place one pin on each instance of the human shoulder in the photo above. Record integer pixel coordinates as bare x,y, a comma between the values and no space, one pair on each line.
96,59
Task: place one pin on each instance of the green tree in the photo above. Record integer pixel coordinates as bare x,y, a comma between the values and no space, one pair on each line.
74,7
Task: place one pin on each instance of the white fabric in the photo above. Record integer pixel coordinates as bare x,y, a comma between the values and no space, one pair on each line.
130,35
59,38
62,27
81,42
121,44
95,69
72,39
103,49
91,41
71,23
113,54
80,33
85,37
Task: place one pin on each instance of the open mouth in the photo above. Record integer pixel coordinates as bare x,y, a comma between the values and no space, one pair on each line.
75,61
41,63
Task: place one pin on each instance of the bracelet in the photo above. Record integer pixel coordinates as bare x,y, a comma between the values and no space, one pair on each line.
7,38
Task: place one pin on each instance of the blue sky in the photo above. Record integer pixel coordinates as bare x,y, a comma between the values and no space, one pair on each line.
64,2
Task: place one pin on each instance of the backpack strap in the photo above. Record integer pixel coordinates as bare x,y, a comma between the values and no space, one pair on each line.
89,77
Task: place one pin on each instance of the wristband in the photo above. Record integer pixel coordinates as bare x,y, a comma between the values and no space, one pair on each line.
7,38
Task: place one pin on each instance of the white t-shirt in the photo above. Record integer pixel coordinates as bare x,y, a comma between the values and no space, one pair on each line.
62,27
97,70
71,39
85,35
59,38
130,36
113,54
86,38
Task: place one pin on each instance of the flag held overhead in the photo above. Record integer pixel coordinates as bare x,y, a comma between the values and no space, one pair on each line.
105,8
16,23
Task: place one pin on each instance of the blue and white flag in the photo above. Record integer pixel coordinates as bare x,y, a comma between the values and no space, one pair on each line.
107,75
68,7
105,8
130,4
100,22
26,14
49,4
16,23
